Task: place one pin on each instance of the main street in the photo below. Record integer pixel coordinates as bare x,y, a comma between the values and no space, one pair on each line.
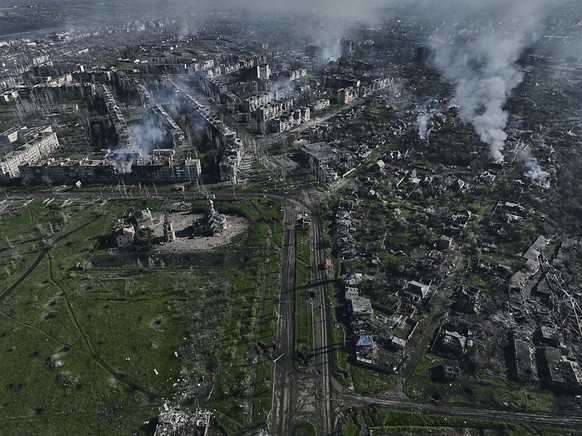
283,384
302,396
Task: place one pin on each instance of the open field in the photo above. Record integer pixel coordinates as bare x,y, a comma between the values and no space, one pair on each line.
489,391
97,350
401,423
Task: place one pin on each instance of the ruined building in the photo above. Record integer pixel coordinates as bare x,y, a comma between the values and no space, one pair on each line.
211,224
24,146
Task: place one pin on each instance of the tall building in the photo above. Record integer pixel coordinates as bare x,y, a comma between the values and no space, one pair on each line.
38,143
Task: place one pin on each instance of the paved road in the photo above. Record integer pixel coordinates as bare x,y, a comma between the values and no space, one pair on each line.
283,384
303,396
321,330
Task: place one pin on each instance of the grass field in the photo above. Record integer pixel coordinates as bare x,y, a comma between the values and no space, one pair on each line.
388,422
96,351
367,381
304,429
487,392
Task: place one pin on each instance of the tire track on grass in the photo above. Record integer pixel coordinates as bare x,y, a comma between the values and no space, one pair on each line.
119,376
96,358
38,329
41,256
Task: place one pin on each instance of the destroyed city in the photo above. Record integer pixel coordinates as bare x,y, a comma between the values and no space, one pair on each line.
291,218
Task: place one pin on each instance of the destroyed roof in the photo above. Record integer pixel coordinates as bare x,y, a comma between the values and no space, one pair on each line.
523,359
517,281
537,247
353,279
398,342
351,292
320,150
561,370
364,341
453,341
144,215
125,231
361,306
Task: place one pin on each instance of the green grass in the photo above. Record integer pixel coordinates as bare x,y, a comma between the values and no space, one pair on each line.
81,346
482,394
304,429
395,422
263,393
261,184
489,391
71,380
267,329
476,281
338,337
426,362
367,381
349,428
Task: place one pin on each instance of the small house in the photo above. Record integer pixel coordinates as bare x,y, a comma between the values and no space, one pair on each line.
124,236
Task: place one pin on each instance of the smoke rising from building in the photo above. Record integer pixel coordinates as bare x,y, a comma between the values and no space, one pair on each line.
422,126
484,79
424,120
533,171
479,56
145,137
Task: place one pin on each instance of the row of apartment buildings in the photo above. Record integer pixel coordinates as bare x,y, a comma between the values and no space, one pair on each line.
156,170
348,94
219,133
23,146
117,119
168,123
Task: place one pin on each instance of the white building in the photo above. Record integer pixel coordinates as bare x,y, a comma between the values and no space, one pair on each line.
40,143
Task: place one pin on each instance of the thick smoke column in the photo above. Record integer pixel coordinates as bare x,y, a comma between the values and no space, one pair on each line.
481,61
482,94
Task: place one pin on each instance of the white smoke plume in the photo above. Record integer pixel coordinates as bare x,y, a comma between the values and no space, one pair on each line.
479,56
424,120
422,126
145,136
533,171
